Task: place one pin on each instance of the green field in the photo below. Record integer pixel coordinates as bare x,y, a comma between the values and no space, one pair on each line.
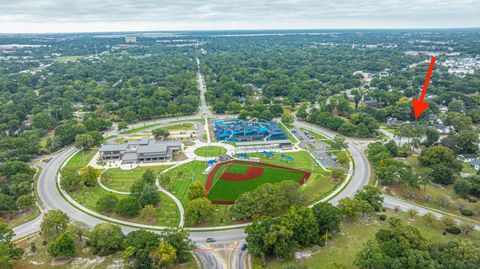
80,159
210,151
121,180
229,191
168,214
178,179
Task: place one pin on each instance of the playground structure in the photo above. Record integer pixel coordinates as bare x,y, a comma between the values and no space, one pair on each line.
253,130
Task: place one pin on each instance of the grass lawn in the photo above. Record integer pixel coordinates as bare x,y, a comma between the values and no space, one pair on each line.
121,180
210,151
179,127
138,129
226,190
468,169
168,214
44,139
344,245
80,160
179,178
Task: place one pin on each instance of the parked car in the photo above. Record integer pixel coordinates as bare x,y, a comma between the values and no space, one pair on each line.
244,247
210,240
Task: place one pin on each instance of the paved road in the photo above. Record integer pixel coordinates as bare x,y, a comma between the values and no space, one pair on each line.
361,174
204,109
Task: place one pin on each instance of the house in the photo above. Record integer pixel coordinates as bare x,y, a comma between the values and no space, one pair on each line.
392,122
466,158
442,129
434,119
475,164
143,150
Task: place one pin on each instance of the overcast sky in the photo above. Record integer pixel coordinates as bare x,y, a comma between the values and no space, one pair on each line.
139,15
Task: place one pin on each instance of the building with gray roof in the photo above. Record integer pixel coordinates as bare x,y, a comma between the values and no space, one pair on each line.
142,150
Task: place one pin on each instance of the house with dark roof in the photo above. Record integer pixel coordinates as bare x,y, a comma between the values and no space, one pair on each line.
466,158
392,122
475,164
142,150
443,129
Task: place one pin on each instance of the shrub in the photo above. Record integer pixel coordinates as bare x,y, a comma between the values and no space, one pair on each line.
382,217
128,206
453,230
107,203
467,212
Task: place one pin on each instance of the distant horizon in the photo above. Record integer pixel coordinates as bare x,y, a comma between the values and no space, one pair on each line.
247,30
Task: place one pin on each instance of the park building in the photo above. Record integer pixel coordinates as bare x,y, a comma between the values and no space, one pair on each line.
143,150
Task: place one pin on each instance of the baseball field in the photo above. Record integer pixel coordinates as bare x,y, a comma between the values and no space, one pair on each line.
227,181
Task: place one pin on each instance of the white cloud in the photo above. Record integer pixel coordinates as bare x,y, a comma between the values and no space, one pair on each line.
122,15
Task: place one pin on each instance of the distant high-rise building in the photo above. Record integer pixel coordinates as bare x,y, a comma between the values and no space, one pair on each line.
130,39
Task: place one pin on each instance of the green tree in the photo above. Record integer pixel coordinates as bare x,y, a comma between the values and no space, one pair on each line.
432,136
107,203
8,252
138,244
349,207
401,246
84,141
339,142
328,217
196,190
25,202
287,118
198,210
54,222
372,195
149,195
106,238
161,133
149,212
89,175
148,176
301,220
64,245
163,256
122,125
337,174
179,239
70,179
128,206
78,229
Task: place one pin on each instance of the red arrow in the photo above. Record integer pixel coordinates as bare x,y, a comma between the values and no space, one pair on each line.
419,105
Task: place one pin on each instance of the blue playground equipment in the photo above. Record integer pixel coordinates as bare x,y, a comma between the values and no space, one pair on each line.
242,155
286,157
268,154
253,130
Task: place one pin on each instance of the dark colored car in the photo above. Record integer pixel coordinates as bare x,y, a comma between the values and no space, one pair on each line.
244,247
211,240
